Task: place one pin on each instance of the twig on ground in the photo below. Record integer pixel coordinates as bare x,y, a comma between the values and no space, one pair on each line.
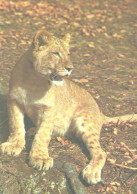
123,166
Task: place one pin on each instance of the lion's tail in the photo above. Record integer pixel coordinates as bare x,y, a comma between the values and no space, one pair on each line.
120,119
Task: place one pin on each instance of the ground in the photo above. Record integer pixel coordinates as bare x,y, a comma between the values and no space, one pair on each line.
103,51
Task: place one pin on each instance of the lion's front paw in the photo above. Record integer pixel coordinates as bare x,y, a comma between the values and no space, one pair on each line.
91,175
12,148
41,164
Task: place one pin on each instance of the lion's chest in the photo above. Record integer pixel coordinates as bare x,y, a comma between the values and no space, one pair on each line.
39,110
60,119
40,104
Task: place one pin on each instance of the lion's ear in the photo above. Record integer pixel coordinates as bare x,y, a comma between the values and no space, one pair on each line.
66,38
42,38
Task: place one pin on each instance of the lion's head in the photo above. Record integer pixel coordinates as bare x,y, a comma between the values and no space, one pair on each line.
51,55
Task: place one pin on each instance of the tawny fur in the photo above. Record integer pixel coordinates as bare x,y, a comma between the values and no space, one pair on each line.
53,105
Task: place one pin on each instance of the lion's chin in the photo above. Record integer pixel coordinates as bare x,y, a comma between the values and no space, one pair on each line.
57,83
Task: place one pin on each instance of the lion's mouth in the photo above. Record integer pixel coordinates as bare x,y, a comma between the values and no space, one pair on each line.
58,76
55,77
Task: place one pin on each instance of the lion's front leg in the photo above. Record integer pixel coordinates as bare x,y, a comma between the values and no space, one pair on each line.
16,139
39,157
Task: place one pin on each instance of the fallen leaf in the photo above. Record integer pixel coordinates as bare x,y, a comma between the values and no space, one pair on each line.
90,16
115,184
111,161
83,80
109,19
121,55
91,44
77,168
86,55
115,131
130,192
87,67
131,82
62,141
85,32
118,106
125,94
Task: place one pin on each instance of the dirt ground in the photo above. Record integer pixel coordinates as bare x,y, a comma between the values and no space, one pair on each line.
103,51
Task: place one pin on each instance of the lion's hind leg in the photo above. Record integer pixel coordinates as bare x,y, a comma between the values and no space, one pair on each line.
90,135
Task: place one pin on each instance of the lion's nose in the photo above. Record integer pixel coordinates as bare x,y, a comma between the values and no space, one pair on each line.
68,69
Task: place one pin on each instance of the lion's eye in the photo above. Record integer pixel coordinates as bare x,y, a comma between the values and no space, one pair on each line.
57,54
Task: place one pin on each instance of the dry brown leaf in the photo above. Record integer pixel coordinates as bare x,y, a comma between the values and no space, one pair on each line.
130,192
131,82
85,32
115,184
115,131
87,67
62,141
109,19
111,161
86,55
83,80
117,105
118,36
77,168
125,94
91,44
121,55
90,16
93,34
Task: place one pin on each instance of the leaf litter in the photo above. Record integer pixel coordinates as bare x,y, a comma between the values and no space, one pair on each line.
104,54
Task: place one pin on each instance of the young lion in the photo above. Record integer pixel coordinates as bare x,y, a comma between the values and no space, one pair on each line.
38,87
